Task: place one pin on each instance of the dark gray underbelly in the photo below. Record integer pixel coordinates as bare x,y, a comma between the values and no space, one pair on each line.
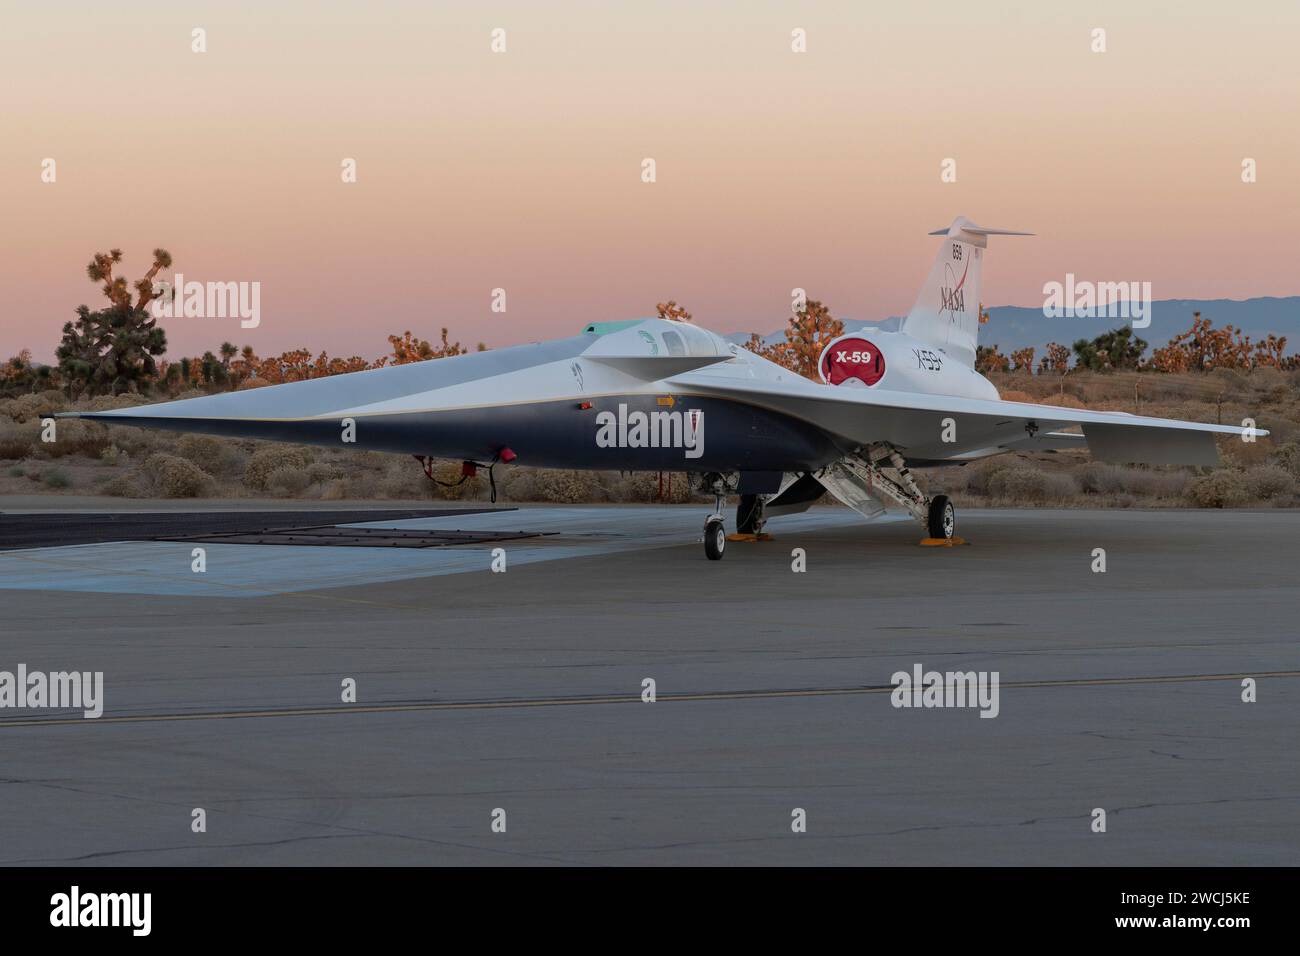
736,436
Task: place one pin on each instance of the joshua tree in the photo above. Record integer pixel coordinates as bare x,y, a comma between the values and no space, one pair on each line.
989,359
113,349
1022,360
1116,349
805,336
671,311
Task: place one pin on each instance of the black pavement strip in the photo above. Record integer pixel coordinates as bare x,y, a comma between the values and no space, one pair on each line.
334,537
48,530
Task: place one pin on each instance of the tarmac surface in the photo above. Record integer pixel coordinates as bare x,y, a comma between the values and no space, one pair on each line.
521,692
60,528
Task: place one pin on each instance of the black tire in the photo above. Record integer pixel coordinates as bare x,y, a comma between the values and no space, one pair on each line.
747,513
715,540
942,518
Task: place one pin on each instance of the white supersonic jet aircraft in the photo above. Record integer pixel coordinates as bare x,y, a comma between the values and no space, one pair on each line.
655,395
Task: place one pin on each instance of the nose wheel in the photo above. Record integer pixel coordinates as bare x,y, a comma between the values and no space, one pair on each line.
715,530
715,539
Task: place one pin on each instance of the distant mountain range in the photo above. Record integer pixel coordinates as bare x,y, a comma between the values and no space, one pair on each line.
1012,327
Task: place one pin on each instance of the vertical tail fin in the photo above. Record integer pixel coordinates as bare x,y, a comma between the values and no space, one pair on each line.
946,314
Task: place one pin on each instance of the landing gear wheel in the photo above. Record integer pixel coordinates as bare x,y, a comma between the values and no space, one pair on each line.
747,514
715,539
942,521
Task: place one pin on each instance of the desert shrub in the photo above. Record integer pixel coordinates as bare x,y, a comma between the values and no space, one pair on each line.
1099,478
1244,454
1268,482
1287,456
979,474
1266,381
139,442
18,440
403,478
56,478
335,490
1224,488
175,477
122,486
112,455
288,482
107,403
16,471
1155,484
1061,486
360,484
1019,483
566,486
643,486
1233,381
452,489
1062,401
518,484
677,487
269,459
209,453
320,472
32,408
76,437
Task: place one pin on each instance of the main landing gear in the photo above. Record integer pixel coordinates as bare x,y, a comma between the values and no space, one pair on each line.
749,515
875,473
941,520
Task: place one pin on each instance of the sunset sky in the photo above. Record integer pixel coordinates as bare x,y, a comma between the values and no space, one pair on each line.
522,170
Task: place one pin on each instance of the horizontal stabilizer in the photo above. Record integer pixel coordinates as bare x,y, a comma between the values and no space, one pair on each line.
965,225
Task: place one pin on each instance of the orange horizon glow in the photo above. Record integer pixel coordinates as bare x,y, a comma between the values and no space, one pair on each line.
521,170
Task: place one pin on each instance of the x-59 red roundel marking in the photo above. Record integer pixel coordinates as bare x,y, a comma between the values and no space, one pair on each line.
853,358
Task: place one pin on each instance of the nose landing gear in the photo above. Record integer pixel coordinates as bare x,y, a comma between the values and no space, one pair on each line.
715,538
715,528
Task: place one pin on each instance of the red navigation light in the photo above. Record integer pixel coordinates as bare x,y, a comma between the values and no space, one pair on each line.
507,455
584,405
